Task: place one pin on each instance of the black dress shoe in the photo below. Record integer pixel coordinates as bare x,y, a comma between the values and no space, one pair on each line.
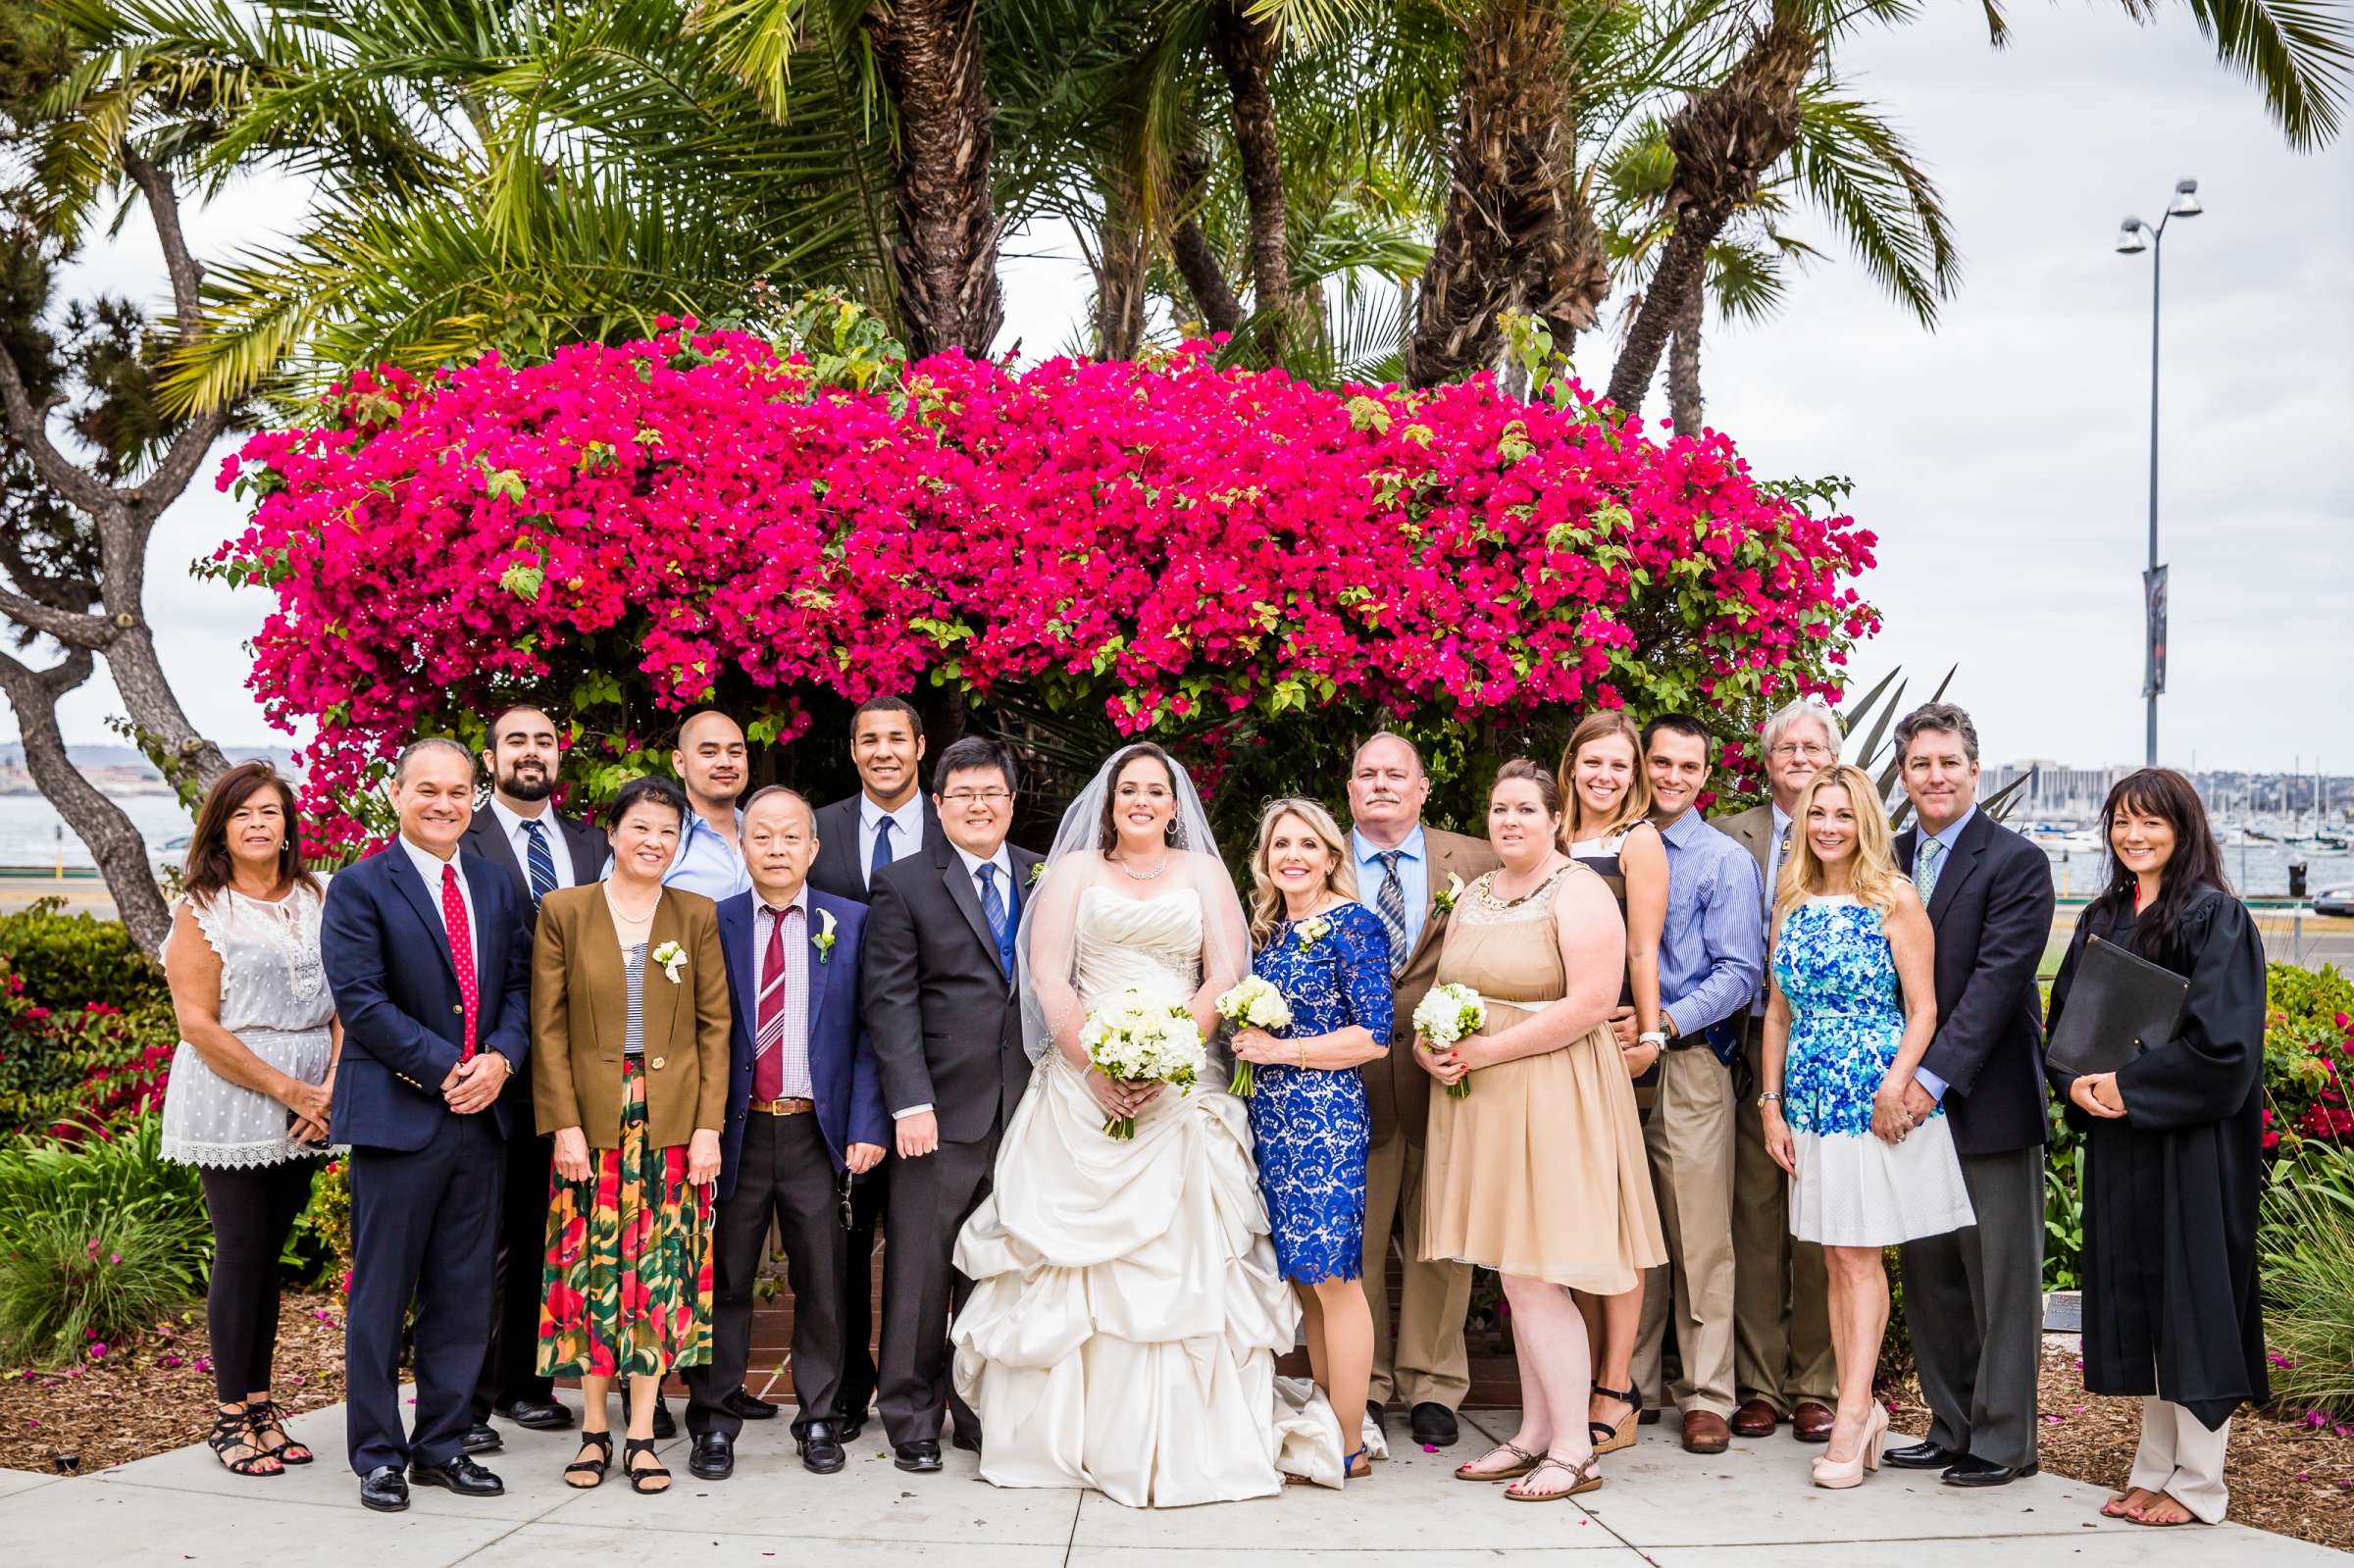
1970,1472
969,1441
919,1456
1920,1456
713,1456
847,1424
536,1415
746,1406
460,1475
385,1489
482,1437
665,1427
821,1448
1433,1424
1373,1412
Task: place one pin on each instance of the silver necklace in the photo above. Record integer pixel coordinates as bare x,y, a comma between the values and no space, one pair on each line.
1144,875
623,915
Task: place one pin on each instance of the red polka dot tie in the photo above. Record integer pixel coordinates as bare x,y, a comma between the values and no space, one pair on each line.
461,953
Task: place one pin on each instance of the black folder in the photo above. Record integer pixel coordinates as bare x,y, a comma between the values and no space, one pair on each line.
2118,1006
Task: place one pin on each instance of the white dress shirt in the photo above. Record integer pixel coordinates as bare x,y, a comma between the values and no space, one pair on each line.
510,824
906,829
429,866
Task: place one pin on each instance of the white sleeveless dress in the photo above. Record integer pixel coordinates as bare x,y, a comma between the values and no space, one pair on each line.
274,998
1126,1311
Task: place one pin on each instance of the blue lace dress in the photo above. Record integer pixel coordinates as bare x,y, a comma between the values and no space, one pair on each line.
1832,960
1311,1126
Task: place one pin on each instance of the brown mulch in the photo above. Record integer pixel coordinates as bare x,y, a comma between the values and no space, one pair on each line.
2284,1476
155,1394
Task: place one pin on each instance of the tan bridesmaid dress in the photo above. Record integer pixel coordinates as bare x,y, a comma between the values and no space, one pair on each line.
1540,1170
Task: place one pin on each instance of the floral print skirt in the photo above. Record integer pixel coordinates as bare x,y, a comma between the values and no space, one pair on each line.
628,1273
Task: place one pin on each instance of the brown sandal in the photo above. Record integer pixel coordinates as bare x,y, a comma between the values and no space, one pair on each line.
1583,1478
1528,1462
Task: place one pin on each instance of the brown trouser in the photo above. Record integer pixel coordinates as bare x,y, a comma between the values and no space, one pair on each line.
1427,1364
1781,1297
1690,1139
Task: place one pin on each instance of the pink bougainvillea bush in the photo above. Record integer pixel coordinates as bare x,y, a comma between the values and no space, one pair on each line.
1237,563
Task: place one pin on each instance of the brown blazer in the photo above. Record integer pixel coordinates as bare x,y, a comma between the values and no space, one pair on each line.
1397,1088
580,1015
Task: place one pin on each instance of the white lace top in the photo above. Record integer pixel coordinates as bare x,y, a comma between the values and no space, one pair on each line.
273,997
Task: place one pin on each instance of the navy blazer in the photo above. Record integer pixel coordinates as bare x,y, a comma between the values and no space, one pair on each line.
848,1084
388,962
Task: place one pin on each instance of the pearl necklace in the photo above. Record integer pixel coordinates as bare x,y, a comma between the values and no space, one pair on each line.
623,915
1144,875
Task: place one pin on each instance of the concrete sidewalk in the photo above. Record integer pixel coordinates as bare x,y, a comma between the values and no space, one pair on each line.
1744,1510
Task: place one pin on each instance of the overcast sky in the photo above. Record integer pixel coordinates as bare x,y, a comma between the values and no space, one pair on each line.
2000,459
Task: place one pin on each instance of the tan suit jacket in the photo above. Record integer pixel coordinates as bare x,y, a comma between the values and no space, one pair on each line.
1397,1088
580,1015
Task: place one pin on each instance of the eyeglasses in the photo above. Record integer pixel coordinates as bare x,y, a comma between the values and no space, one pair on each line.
1799,749
976,797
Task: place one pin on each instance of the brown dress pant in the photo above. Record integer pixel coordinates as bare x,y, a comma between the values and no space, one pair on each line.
1426,1363
1781,1297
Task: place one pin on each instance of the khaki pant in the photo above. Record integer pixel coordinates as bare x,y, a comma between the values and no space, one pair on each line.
1690,1139
2183,1459
1781,1297
1428,1363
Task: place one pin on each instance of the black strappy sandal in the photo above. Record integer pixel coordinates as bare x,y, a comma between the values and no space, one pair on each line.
268,1420
631,1448
231,1430
602,1442
1607,1437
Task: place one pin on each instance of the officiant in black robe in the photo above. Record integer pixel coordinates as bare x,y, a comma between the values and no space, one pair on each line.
2173,1310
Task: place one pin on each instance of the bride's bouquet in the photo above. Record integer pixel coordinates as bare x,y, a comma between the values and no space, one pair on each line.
1141,1039
1256,1003
1447,1014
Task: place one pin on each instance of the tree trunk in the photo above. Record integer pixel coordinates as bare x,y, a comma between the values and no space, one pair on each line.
1196,263
1513,232
1245,51
187,759
102,825
1120,261
946,257
1723,139
1683,365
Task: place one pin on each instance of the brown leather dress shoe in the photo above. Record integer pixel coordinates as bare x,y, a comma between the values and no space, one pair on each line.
1754,1419
1810,1422
1705,1432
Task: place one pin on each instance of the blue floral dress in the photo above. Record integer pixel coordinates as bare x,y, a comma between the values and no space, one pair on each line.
1311,1126
1832,962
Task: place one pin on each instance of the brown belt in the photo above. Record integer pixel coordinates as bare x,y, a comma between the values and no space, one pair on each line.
783,1107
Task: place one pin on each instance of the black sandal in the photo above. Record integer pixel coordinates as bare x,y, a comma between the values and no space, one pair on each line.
231,1430
631,1448
1606,1438
268,1418
602,1442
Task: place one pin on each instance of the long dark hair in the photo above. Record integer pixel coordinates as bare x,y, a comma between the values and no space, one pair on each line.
210,865
2196,863
1107,833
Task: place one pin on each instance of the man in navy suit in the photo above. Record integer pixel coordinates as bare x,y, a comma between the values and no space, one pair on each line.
423,947
804,1107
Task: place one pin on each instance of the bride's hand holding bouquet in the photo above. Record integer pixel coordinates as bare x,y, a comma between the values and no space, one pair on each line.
1140,1042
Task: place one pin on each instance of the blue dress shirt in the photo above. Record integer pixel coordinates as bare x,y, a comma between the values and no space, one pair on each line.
709,862
1711,946
1414,876
1950,836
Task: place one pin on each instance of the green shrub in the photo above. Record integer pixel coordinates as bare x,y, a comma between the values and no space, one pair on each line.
62,1071
2307,1249
62,961
2308,1052
319,1249
2063,1207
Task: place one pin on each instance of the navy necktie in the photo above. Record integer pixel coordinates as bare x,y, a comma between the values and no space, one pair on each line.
539,864
1000,925
882,855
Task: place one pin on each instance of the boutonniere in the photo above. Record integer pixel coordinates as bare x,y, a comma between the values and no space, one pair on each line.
1038,870
1313,930
823,941
1449,893
673,958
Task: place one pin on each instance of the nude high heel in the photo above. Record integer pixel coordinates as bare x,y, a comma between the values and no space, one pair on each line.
1836,1475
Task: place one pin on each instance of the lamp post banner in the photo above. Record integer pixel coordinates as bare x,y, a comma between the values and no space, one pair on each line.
2153,591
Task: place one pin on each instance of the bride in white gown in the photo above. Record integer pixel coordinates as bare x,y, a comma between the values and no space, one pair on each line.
1126,1312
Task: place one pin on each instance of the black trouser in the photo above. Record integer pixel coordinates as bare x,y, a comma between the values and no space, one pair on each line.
868,1200
253,1210
511,1366
930,1199
1974,1300
785,1172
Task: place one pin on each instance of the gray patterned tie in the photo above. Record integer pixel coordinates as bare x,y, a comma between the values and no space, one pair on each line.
1390,904
1928,862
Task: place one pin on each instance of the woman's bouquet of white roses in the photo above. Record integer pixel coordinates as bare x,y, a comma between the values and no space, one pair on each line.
1447,1015
1137,1038
1256,1003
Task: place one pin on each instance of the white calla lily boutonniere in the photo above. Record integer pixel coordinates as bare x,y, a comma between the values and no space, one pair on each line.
1448,895
823,941
673,958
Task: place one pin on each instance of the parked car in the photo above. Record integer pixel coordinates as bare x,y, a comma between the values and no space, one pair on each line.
2335,901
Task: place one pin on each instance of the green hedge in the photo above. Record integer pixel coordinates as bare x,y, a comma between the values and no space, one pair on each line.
62,961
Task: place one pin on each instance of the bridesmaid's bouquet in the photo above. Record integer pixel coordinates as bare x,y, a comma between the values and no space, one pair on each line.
1447,1014
1141,1039
1256,1003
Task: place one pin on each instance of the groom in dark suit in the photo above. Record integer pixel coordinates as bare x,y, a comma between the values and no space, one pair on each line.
423,947
539,849
804,1108
946,1022
1974,1297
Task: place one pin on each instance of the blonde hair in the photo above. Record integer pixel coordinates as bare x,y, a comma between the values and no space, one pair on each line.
1873,876
1266,899
1634,805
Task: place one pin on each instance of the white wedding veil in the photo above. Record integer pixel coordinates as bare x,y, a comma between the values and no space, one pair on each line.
1046,942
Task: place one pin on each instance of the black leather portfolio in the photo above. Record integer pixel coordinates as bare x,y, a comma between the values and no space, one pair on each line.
2119,1005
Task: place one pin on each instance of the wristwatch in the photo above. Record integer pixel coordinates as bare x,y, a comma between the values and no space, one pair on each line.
1769,1098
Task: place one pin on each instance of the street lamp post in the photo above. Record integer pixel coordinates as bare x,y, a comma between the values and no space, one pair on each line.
2130,243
